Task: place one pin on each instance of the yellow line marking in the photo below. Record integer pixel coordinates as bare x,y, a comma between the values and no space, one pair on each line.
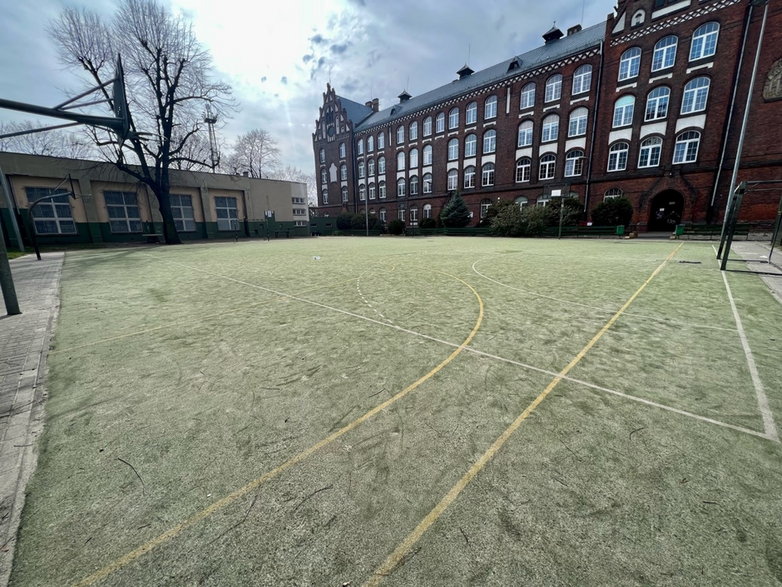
182,526
407,544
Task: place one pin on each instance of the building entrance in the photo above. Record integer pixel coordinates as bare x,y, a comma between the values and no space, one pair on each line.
665,211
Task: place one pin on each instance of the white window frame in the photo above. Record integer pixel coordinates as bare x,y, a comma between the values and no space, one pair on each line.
400,134
413,130
550,128
231,221
618,155
401,160
629,64
704,41
471,113
523,170
553,90
427,126
439,122
427,155
130,220
427,183
664,55
547,167
381,165
453,118
696,95
657,103
487,175
624,108
577,123
489,141
453,149
401,187
469,177
582,79
452,180
525,134
470,145
686,148
490,108
527,98
53,213
413,159
183,212
650,152
574,163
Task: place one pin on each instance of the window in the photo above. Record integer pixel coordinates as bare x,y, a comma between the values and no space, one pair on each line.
401,187
427,210
664,53
453,118
324,196
360,147
623,111
696,92
370,144
582,79
342,150
523,169
487,174
182,210
427,126
124,213
550,128
382,215
226,212
381,190
371,167
617,157
372,191
548,164
471,114
428,155
469,177
322,155
344,194
638,18
490,108
414,185
323,177
629,63
525,134
612,193
553,88
343,172
413,130
400,135
574,163
53,216
651,148
440,122
413,158
521,201
427,183
577,125
489,141
381,165
657,103
401,214
414,216
485,203
400,161
527,96
381,141
470,145
453,180
453,149
704,41
362,192
686,148
361,169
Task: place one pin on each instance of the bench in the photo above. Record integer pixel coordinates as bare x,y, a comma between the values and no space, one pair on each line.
152,238
712,231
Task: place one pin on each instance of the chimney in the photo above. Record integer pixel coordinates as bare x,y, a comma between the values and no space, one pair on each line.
553,34
573,30
374,104
404,97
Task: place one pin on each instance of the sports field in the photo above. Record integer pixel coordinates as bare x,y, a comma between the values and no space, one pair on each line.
429,411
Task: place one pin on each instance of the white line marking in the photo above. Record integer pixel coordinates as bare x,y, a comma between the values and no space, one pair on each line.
605,310
760,392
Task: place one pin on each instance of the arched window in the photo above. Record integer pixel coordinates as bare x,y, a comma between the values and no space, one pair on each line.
343,172
381,190
361,169
490,108
400,134
577,125
400,161
553,88
427,183
453,118
489,141
427,126
485,203
623,111
664,54
574,163
629,63
414,185
548,164
651,149
427,210
453,149
323,176
471,114
324,196
582,79
413,130
401,187
470,145
638,18
469,176
617,157
322,155
344,194
342,150
521,201
413,158
612,193
525,134
414,216
440,122
657,103
370,144
523,169
381,140
453,180
427,154
371,167
372,191
686,148
696,93
362,192
527,96
704,41
360,147
381,164
382,215
487,174
550,128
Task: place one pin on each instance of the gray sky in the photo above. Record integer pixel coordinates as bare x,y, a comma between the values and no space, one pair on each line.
278,56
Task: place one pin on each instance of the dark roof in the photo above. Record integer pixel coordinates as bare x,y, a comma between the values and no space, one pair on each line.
588,37
356,112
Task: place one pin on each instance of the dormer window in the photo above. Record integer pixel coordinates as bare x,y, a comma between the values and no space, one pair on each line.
638,18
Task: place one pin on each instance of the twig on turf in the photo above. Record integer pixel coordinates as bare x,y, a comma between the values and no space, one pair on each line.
143,489
240,522
637,430
312,495
466,540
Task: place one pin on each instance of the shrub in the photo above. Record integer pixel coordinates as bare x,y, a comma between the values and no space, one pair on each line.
505,219
455,213
570,215
427,223
536,219
396,226
344,221
613,212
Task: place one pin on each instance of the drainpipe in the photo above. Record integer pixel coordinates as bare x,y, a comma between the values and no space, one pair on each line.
598,89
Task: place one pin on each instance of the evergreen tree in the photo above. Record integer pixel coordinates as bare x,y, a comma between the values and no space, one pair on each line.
455,213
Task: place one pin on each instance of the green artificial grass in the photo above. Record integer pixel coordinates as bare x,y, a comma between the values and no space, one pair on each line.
178,375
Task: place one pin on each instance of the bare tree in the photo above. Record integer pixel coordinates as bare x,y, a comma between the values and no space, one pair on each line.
52,143
168,87
255,153
289,173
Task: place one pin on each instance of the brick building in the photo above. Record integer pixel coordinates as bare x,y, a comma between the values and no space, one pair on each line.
649,104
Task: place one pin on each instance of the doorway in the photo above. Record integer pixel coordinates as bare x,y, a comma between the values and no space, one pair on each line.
665,211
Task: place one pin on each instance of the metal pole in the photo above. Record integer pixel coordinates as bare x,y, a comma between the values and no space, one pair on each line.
561,212
7,280
11,211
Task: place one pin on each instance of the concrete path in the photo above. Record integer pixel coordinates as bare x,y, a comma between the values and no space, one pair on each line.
24,343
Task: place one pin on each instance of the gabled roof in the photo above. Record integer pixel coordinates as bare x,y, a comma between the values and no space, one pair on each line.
356,112
584,39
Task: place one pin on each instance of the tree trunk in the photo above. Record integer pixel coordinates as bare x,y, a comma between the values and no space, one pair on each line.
170,234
